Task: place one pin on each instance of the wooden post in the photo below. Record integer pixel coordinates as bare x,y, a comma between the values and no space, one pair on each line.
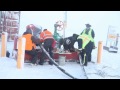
21,52
100,48
4,44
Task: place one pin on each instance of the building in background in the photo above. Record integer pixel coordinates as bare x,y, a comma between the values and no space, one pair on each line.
9,22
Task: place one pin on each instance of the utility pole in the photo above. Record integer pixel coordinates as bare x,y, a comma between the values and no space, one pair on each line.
65,23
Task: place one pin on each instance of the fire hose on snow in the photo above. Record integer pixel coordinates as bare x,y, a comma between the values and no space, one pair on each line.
56,63
36,31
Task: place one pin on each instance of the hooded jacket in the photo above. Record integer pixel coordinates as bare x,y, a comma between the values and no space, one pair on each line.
31,40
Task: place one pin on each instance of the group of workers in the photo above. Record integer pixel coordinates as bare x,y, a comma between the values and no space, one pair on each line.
85,44
46,37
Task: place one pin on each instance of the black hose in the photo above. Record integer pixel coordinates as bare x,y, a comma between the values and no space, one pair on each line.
56,63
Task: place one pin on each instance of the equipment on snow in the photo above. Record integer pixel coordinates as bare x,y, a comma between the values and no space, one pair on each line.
55,62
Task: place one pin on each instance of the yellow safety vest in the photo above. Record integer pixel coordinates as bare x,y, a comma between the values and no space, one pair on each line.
86,38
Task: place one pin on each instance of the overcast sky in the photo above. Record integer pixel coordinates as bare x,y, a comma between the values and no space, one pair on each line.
76,20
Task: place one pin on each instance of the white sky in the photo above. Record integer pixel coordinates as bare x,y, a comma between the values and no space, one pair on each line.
76,20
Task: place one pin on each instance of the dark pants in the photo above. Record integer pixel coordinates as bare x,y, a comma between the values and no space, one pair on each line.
116,43
66,47
70,46
48,47
87,51
79,43
34,54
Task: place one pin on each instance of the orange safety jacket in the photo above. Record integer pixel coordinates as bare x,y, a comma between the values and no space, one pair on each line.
45,35
29,44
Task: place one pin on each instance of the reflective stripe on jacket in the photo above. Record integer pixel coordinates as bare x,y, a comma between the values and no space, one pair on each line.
45,35
89,34
86,38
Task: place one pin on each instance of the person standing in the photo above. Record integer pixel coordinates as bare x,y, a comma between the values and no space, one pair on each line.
86,43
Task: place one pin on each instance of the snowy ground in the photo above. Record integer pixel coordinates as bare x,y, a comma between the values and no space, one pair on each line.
108,69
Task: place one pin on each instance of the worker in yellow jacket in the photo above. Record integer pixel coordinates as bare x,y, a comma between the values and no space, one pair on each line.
86,44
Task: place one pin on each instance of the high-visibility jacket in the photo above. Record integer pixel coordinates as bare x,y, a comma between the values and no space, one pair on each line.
86,38
89,34
45,35
29,44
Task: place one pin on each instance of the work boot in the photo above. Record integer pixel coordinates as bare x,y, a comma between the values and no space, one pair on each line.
41,62
89,61
85,64
51,63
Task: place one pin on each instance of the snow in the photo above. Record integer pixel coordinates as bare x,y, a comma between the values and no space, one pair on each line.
109,68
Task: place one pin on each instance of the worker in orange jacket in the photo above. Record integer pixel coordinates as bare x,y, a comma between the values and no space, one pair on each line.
47,38
30,47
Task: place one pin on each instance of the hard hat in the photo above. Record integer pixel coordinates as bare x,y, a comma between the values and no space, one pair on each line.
34,29
30,26
88,25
